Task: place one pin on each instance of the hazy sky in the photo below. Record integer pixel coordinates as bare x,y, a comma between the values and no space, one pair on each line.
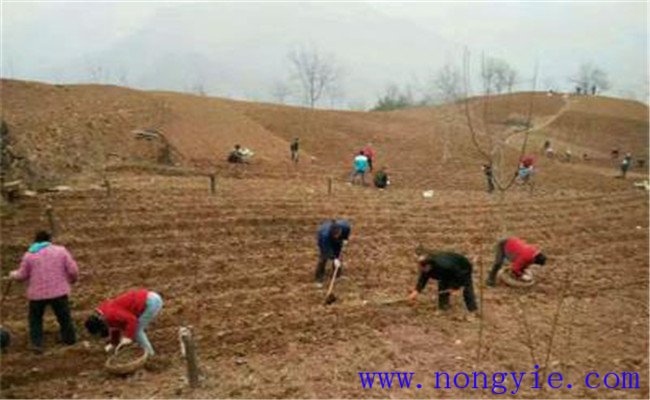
240,49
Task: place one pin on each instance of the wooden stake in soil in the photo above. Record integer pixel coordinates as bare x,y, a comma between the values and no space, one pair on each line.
480,311
188,350
329,185
50,219
213,184
107,185
5,290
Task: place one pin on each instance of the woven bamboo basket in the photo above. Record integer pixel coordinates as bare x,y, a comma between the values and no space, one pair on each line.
127,361
505,275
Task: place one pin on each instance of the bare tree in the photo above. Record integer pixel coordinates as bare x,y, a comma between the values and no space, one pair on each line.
493,150
280,91
335,93
199,88
122,75
315,71
511,79
447,83
497,75
394,98
592,78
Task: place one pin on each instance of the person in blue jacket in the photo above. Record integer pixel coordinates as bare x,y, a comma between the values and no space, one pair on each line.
332,235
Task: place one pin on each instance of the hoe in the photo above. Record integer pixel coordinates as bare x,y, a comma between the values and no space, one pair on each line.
330,297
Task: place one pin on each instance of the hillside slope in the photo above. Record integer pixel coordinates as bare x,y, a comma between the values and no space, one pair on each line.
69,130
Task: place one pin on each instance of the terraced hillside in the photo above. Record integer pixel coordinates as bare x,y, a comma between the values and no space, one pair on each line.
238,267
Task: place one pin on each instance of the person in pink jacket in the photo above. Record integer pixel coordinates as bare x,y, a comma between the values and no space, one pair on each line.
49,270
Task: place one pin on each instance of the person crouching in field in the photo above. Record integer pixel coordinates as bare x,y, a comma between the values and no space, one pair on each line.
451,270
521,254
381,178
126,316
331,237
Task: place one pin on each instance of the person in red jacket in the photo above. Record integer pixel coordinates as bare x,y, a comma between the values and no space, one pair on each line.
521,254
126,316
369,152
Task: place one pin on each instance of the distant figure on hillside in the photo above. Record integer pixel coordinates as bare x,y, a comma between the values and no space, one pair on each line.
360,168
370,153
294,149
625,164
526,166
568,155
614,153
593,90
489,175
239,155
578,90
236,155
640,163
521,254
550,153
5,339
585,157
49,270
381,178
331,237
452,271
125,318
547,145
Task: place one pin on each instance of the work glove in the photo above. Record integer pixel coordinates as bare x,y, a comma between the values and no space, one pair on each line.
337,263
125,341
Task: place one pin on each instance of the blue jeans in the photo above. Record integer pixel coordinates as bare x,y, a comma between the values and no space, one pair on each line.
153,306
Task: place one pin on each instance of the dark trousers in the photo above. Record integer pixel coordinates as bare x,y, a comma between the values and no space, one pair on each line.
61,308
320,268
499,259
490,183
444,289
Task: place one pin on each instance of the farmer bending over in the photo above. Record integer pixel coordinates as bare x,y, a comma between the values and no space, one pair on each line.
126,316
521,254
332,235
451,270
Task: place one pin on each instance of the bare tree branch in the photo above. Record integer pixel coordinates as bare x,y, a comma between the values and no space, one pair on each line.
316,72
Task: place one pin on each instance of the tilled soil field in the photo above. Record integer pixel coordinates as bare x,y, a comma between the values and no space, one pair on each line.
238,267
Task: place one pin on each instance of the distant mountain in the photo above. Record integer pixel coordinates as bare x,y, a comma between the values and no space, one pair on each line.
240,50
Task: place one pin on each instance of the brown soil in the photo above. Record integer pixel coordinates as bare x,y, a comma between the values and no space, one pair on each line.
238,266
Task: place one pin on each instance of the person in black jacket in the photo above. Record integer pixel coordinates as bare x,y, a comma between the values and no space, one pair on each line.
294,149
489,175
5,339
451,270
